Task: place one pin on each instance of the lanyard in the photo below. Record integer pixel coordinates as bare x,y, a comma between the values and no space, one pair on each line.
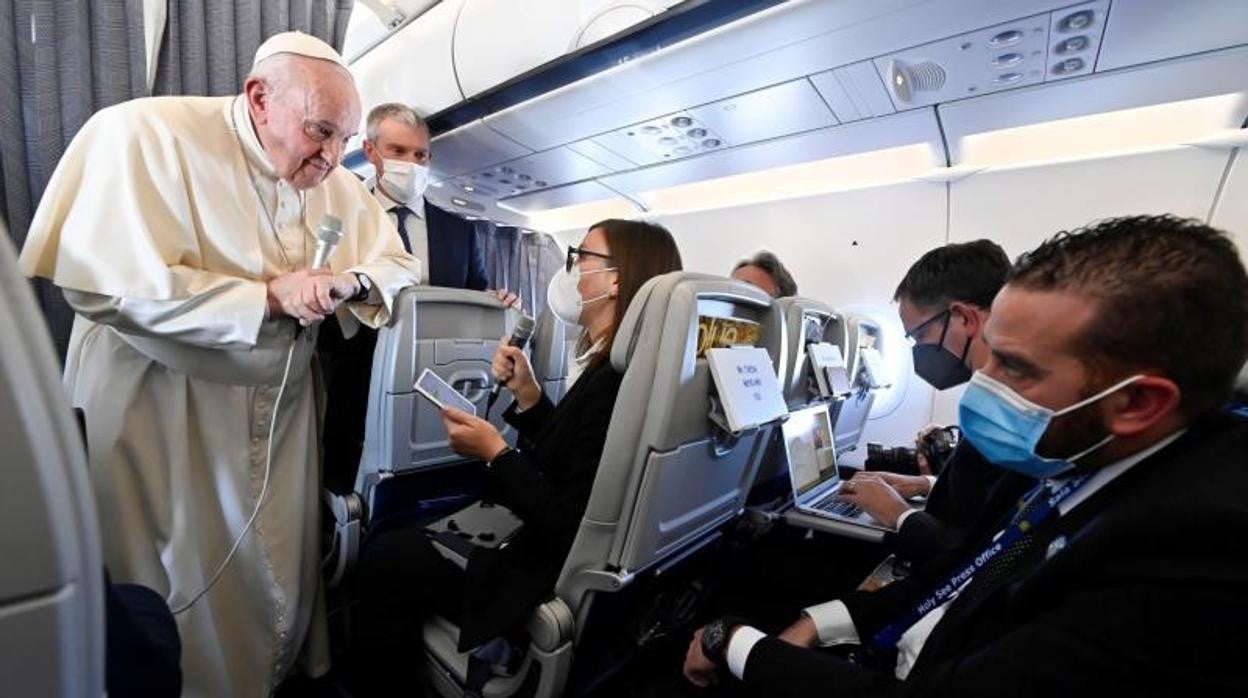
887,638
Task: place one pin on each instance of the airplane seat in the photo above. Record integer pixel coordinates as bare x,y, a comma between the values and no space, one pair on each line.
52,604
667,483
849,416
550,358
807,322
407,468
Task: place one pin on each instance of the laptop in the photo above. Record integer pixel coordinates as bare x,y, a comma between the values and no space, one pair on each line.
811,452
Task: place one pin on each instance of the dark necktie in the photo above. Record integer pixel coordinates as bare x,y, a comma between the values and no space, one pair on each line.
402,212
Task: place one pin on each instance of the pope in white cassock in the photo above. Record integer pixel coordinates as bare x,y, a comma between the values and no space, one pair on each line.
181,230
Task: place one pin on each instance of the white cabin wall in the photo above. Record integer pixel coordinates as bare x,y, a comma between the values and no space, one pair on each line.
1020,207
848,249
893,225
1231,211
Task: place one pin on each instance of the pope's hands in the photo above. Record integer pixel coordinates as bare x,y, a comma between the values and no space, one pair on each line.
308,295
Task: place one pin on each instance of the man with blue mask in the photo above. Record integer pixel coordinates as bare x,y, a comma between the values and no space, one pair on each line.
1112,576
944,303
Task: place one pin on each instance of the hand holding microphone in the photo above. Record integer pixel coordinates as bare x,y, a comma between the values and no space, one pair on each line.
511,367
310,294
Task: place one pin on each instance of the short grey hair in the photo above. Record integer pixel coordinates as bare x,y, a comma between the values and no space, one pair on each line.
771,264
393,110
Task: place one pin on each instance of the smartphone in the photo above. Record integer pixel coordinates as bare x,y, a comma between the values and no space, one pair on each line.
441,394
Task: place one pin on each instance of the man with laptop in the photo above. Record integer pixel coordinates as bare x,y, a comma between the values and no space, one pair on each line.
944,302
1113,575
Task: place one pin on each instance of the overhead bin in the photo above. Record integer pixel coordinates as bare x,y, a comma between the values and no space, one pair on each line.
414,65
776,87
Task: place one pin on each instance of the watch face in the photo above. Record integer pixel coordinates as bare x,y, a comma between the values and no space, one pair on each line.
713,636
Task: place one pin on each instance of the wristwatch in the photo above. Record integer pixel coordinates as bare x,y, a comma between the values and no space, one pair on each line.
490,463
366,287
715,639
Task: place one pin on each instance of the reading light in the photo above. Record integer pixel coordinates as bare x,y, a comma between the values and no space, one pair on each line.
1007,60
1008,37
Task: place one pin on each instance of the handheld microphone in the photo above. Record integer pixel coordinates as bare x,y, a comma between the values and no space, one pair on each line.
328,235
520,335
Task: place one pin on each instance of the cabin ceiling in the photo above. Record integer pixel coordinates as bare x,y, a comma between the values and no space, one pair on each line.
791,83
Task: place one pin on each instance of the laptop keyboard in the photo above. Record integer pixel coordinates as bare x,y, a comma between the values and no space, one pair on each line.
832,505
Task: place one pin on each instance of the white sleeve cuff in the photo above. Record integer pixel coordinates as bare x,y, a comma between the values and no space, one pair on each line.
833,624
739,647
905,515
931,482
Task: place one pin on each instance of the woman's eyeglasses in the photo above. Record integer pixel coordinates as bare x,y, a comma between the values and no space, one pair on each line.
574,253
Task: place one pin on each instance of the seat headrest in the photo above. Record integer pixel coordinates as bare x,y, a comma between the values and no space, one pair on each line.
652,300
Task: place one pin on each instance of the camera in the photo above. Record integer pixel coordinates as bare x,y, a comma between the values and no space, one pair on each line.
897,459
936,445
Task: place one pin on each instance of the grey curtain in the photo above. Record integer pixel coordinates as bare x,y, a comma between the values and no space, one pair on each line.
521,262
209,44
60,61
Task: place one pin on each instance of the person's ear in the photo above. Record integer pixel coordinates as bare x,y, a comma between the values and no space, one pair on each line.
373,155
258,97
969,316
1141,405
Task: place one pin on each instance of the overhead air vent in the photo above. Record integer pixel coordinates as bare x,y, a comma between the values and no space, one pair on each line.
666,138
1052,46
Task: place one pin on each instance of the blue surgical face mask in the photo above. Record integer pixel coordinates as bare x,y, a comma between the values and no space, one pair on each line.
1005,427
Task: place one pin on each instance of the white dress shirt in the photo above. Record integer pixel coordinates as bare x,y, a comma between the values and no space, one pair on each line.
835,626
417,229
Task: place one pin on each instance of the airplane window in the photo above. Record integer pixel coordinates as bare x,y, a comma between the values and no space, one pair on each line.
897,364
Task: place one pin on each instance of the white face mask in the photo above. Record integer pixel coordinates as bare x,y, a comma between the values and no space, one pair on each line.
404,182
564,294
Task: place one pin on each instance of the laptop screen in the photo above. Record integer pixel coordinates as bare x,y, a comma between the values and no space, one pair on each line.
809,446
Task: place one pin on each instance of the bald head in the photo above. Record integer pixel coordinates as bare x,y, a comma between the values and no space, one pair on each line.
304,109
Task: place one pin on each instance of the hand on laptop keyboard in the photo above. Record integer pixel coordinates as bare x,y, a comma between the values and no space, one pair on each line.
871,494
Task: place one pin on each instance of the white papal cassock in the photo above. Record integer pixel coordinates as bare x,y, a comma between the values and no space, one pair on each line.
161,224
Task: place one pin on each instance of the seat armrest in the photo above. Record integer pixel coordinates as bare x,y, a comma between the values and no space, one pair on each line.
551,625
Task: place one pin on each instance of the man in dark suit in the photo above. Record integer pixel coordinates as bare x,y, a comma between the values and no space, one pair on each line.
397,145
944,302
1115,576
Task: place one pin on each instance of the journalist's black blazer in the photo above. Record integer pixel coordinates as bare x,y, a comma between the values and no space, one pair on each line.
1140,590
546,483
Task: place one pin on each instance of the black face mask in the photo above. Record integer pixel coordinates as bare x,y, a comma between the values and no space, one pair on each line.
941,368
